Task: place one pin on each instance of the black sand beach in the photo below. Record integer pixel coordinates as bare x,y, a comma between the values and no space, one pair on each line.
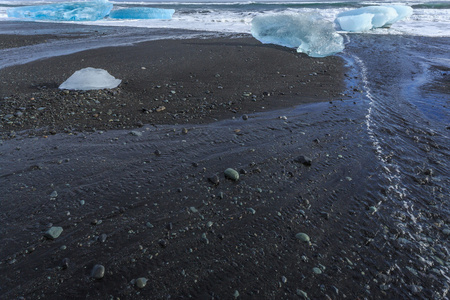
141,190
167,82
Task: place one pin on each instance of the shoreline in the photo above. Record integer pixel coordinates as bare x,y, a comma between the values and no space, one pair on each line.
166,82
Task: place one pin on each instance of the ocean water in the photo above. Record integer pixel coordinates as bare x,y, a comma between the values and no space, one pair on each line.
403,75
430,18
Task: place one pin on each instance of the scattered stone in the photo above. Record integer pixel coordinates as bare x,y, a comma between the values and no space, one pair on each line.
193,209
141,282
214,179
243,171
136,133
302,294
54,194
149,225
245,117
373,209
236,294
303,237
184,131
65,263
98,272
446,231
102,238
163,243
53,233
231,174
157,152
283,279
160,108
251,210
82,202
305,160
317,271
205,238
209,224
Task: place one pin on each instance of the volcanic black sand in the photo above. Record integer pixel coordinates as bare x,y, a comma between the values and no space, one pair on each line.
166,82
135,177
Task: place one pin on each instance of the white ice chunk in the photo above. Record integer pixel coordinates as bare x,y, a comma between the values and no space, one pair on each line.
72,11
142,13
90,79
309,33
403,12
382,16
362,22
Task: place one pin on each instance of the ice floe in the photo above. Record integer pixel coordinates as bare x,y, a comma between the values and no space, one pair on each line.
309,33
366,18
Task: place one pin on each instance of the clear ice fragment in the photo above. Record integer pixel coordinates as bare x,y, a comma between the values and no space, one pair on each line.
90,79
309,33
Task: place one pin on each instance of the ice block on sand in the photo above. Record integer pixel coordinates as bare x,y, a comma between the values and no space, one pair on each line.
90,79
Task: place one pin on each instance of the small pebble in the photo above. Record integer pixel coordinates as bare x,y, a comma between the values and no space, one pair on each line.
149,225
303,237
251,210
141,282
236,294
317,271
103,237
305,160
65,263
302,294
231,174
136,133
163,243
214,179
98,271
54,194
53,232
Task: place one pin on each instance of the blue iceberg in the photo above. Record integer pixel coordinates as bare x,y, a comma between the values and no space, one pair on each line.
142,13
366,18
75,11
403,12
308,33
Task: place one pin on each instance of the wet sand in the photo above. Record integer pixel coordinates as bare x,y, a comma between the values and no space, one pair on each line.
166,82
143,193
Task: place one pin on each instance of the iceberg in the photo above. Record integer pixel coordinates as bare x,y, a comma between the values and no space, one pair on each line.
74,11
366,18
403,12
309,33
90,79
142,13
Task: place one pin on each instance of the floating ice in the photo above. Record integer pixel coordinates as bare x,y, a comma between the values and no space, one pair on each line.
74,11
308,33
362,22
90,79
142,13
366,18
403,12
